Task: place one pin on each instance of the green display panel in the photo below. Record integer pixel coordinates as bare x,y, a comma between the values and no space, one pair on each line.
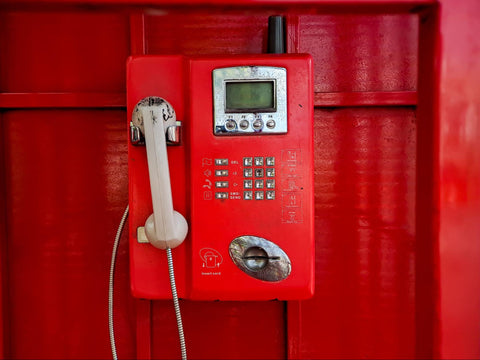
246,96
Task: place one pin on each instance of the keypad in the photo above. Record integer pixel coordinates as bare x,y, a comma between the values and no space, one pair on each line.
248,178
262,169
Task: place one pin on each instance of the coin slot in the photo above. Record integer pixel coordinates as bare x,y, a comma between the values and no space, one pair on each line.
255,258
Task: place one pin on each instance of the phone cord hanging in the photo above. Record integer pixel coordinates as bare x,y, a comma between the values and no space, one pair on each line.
111,287
111,283
176,304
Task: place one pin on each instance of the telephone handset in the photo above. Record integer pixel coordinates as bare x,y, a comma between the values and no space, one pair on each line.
165,228
241,175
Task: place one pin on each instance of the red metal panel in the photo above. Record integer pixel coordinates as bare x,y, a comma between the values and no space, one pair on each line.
63,51
426,259
361,52
360,311
221,330
137,34
68,199
3,246
385,5
195,31
365,233
351,53
365,98
66,190
144,329
459,155
62,100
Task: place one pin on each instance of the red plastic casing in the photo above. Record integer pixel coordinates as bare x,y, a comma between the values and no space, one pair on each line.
186,82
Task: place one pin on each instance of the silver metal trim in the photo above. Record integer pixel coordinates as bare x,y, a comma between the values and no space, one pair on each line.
136,136
250,73
173,133
171,126
278,266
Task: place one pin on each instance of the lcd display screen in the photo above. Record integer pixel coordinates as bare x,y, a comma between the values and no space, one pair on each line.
249,96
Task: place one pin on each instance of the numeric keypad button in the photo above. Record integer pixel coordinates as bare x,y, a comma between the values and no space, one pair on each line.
221,172
258,184
259,195
270,161
270,172
258,173
247,184
270,195
270,184
259,161
221,184
247,161
221,195
221,162
248,195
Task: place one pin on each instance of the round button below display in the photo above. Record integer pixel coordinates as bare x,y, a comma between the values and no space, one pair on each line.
244,124
271,124
230,125
258,124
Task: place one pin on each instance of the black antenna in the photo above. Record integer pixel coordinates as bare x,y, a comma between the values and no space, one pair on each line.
276,36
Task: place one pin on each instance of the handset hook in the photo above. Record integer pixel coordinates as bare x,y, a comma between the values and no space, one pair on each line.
165,228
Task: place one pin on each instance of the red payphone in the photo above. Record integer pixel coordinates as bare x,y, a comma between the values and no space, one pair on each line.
240,177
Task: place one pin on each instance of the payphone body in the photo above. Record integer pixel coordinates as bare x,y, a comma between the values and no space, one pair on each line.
242,176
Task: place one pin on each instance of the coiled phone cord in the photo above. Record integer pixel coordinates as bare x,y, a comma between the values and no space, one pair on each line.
176,304
110,284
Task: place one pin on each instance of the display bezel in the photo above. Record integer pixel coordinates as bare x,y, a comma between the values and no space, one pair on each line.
228,122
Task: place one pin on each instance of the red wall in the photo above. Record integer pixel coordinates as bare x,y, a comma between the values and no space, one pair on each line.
459,203
395,171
